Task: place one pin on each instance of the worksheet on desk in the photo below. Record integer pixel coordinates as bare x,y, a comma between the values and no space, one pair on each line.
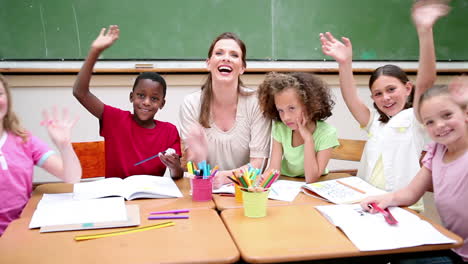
371,232
63,209
285,190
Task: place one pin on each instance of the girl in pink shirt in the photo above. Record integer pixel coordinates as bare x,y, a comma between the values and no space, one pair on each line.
20,151
444,170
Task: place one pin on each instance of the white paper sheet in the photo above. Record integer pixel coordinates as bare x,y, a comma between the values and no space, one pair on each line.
371,232
62,209
285,190
133,187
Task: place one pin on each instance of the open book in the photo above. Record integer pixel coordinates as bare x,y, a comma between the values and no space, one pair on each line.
371,232
133,187
341,191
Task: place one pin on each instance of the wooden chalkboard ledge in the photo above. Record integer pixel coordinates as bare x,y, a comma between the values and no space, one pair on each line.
199,66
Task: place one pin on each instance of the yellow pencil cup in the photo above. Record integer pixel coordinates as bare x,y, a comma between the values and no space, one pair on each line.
255,203
237,193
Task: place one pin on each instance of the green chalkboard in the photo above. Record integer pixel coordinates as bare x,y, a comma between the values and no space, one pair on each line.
183,29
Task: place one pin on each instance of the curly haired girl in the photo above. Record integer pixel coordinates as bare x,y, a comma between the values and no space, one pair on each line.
302,142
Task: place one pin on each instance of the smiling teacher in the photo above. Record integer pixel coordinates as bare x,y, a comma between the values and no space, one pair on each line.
222,123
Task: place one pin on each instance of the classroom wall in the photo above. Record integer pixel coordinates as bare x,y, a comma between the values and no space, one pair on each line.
32,93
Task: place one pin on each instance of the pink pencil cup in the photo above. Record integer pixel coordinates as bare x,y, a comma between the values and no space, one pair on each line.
202,189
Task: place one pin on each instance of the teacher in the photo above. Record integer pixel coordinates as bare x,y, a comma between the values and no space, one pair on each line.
222,123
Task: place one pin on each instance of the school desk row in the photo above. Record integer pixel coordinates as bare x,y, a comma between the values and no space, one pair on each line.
291,231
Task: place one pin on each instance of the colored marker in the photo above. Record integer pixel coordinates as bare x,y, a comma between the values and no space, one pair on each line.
168,217
171,212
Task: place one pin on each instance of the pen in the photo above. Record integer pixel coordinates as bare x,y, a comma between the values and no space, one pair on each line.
386,213
171,212
168,151
145,160
351,187
168,217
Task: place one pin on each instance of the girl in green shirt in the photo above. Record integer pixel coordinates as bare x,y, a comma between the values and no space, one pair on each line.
302,142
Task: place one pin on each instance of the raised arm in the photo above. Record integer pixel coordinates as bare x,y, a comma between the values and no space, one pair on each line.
81,86
66,166
342,52
459,89
425,14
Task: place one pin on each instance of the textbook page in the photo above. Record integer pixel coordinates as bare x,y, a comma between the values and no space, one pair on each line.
62,209
285,190
98,189
133,187
146,186
342,191
371,232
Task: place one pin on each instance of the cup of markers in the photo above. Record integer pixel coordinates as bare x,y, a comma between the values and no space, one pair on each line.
254,192
201,178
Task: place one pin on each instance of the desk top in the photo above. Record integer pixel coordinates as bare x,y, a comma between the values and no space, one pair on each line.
226,202
266,239
203,237
145,204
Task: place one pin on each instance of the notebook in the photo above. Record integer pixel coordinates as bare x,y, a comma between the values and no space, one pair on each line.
133,187
62,209
371,232
133,212
345,190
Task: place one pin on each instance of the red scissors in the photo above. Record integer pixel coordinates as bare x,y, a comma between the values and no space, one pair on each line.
386,213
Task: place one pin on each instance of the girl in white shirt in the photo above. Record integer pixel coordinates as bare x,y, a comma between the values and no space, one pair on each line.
396,140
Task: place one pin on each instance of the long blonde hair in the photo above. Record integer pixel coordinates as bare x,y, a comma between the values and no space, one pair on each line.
11,122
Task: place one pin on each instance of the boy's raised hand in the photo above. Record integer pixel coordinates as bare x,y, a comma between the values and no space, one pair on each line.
59,127
340,51
426,13
106,38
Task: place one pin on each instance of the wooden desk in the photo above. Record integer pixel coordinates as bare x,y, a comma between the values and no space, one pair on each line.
145,204
201,238
299,232
225,202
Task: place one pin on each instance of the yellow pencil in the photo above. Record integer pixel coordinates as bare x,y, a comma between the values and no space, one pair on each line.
123,232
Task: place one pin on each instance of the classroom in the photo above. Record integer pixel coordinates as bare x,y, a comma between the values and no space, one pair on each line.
41,55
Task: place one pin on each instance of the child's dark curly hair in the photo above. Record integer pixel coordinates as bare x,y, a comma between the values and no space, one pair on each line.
312,91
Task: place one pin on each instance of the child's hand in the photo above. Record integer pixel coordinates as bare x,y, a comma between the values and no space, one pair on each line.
340,51
171,160
106,39
382,201
459,89
197,144
59,127
304,131
426,13
221,178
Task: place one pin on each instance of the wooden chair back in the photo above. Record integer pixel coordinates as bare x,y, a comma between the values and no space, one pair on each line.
92,158
349,149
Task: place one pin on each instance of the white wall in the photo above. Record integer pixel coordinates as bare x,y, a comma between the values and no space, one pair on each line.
32,93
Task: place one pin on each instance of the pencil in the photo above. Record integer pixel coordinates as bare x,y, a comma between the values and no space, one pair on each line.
352,187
